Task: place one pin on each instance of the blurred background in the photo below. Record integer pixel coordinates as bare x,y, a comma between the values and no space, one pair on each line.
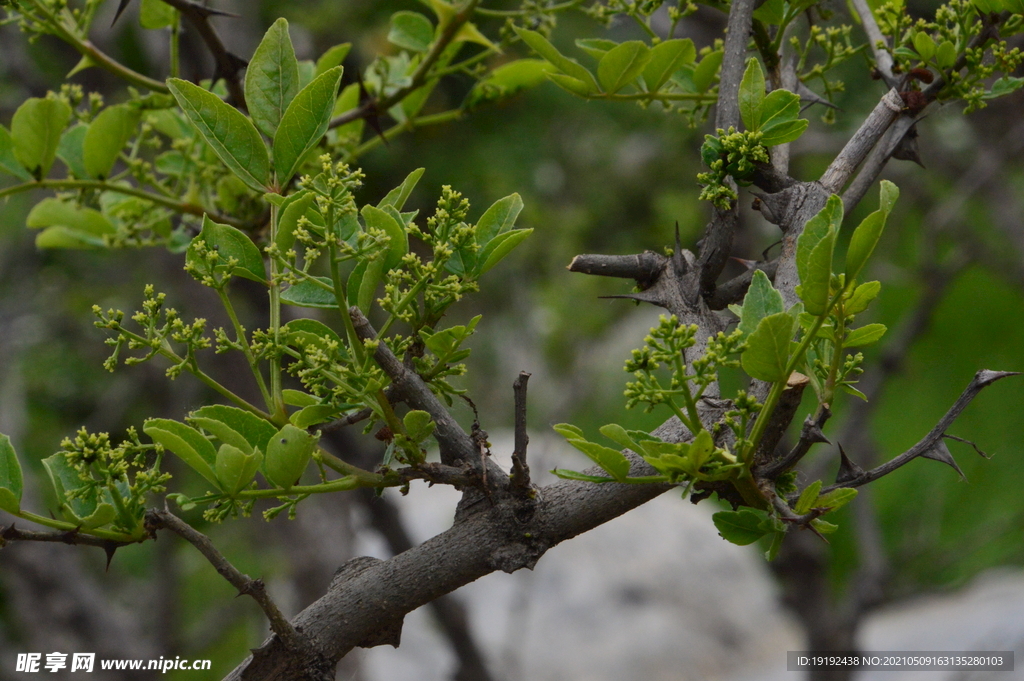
923,560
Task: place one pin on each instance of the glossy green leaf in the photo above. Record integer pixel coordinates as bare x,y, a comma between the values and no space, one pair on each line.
398,245
707,69
665,59
781,133
622,64
837,498
256,431
619,436
231,244
825,223
368,283
54,211
611,460
418,425
288,454
772,12
865,335
768,348
761,301
741,527
306,332
65,478
222,432
816,275
869,231
807,498
572,85
499,247
304,123
272,78
596,47
862,297
60,237
334,56
10,477
8,162
570,67
228,132
751,95
925,45
71,150
297,398
154,14
313,414
508,80
411,30
308,294
397,197
187,443
779,106
36,129
498,219
945,55
288,219
568,431
106,137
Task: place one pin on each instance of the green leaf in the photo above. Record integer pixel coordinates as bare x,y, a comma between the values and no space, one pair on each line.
704,74
187,442
596,47
499,247
398,245
288,454
761,301
229,133
332,57
945,55
807,498
235,469
106,137
154,14
566,474
469,33
568,431
622,64
313,414
837,498
666,58
741,527
768,348
305,332
103,514
498,219
772,12
751,96
925,45
508,80
8,162
10,477
411,30
65,478
36,129
611,460
781,133
71,150
308,294
824,526
570,67
297,398
67,238
222,432
865,335
619,436
862,297
288,219
231,244
367,285
54,211
816,275
869,231
256,431
779,107
272,78
304,123
418,425
397,197
572,85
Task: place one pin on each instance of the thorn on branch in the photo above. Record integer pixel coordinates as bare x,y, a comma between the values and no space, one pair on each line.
848,469
520,469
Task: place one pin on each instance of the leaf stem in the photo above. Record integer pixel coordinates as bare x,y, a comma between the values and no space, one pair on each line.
241,339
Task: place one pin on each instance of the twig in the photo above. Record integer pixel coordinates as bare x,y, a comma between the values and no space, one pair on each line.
981,380
877,41
643,267
12,533
810,434
520,469
294,641
870,131
455,445
228,65
373,106
733,290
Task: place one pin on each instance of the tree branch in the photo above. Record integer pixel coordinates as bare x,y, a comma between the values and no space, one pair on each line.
733,290
520,469
228,65
643,267
157,519
877,41
870,131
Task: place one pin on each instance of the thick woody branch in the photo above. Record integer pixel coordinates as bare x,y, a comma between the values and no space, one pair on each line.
227,65
933,439
643,267
877,122
157,519
785,410
520,469
455,445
